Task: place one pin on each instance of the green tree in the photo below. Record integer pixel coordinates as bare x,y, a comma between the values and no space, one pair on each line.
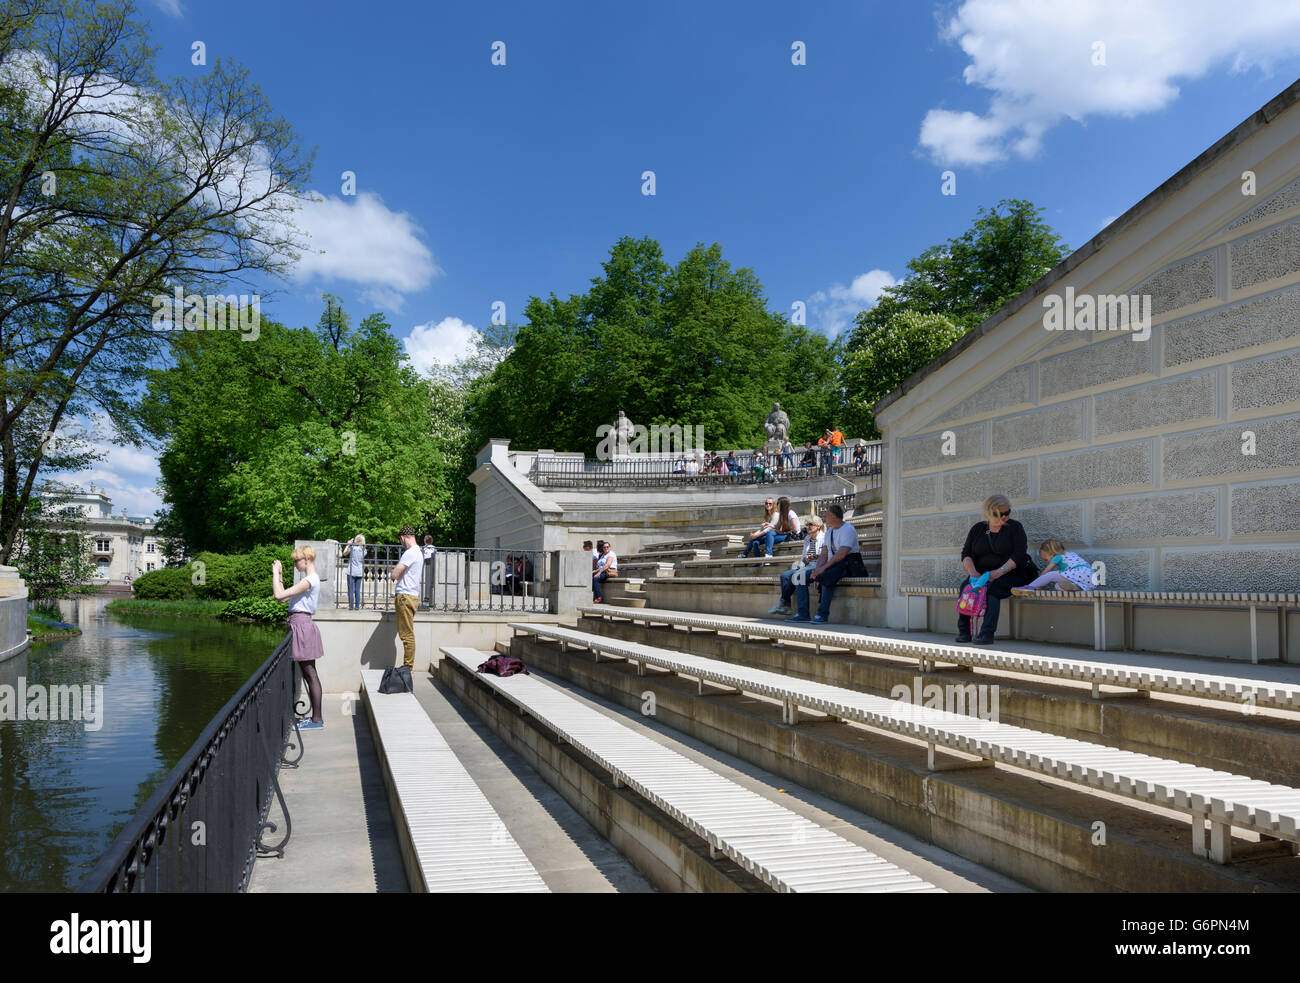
1005,250
52,548
689,345
116,187
305,434
889,354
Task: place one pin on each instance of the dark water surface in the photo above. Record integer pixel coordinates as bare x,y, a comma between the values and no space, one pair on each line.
66,789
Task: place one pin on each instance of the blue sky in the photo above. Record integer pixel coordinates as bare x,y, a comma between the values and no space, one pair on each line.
479,183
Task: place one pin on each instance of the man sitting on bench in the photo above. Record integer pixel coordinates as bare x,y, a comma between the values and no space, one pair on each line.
840,557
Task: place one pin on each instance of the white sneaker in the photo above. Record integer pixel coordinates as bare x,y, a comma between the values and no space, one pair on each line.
779,609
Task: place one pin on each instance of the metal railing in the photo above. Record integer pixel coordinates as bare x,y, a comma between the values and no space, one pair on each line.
694,471
202,828
453,579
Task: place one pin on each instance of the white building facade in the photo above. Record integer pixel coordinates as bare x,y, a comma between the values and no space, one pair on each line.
122,546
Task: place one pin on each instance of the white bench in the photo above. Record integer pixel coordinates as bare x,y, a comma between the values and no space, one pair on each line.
786,851
1226,799
455,837
1099,599
1143,679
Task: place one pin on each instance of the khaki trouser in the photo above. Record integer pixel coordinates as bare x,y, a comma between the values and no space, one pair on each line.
405,605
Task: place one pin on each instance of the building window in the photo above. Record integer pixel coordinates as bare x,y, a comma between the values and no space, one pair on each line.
103,545
149,548
148,566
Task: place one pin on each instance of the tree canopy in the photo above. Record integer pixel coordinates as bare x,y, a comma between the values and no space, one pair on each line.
690,345
950,288
303,434
116,186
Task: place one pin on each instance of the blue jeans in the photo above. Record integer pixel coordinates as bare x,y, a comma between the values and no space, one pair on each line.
788,460
850,566
787,584
769,539
596,581
354,592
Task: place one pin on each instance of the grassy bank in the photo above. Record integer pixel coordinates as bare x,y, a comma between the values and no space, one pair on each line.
44,625
188,608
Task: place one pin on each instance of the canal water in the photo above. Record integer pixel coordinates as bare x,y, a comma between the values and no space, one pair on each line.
67,787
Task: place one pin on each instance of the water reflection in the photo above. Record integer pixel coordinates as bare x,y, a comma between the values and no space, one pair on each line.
65,791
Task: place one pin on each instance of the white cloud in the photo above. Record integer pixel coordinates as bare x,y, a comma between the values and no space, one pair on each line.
1106,221
439,344
128,475
362,241
833,309
170,7
1037,60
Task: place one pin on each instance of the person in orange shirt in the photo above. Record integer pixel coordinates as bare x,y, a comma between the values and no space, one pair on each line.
824,452
837,441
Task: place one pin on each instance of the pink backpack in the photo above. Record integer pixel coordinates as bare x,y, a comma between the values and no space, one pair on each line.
973,600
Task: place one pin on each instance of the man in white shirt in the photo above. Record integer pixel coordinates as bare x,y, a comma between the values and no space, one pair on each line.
606,566
840,557
406,593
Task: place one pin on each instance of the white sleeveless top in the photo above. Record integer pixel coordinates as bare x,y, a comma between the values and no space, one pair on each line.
306,602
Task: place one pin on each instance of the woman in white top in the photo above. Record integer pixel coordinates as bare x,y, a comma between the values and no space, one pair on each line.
304,636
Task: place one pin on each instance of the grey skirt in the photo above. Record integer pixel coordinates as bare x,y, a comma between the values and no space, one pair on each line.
304,638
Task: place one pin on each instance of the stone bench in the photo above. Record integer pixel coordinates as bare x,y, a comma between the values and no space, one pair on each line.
715,543
664,556
754,832
643,569
777,564
1226,800
1100,599
452,839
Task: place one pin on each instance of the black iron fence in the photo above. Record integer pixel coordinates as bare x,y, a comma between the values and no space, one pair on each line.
452,579
202,828
698,469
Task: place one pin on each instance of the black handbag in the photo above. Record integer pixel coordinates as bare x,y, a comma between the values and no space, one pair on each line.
397,679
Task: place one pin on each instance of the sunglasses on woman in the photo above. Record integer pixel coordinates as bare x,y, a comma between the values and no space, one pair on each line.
1002,515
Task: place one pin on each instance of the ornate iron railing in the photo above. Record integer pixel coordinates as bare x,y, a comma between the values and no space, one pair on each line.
694,471
452,579
202,828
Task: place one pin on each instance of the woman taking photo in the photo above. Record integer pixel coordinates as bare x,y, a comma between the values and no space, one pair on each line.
996,546
304,636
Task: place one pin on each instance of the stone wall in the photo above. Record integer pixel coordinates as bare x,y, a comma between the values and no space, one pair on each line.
1175,460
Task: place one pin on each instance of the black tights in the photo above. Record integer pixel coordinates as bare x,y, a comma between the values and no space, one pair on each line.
313,688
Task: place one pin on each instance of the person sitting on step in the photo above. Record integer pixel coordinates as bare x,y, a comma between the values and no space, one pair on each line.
813,542
840,557
759,535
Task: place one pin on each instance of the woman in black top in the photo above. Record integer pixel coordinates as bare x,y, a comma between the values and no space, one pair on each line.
997,546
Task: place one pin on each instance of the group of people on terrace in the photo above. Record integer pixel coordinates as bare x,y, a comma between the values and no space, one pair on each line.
772,463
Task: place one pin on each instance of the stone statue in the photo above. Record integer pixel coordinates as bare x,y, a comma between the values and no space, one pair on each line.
778,424
623,433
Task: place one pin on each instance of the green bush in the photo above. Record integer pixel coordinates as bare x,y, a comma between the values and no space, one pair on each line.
225,577
167,584
255,609
230,577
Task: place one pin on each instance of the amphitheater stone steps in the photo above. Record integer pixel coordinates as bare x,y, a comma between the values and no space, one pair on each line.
1028,828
